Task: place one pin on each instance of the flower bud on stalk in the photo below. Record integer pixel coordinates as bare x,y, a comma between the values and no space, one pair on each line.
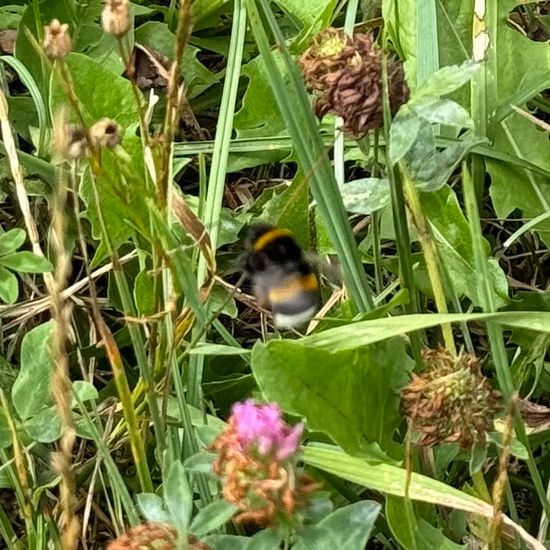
115,17
57,40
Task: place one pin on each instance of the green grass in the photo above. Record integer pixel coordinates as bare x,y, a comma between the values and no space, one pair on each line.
447,246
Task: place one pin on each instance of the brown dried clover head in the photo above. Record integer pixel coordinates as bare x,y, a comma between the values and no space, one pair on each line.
345,73
451,400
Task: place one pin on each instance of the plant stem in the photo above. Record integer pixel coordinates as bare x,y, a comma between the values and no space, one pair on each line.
429,251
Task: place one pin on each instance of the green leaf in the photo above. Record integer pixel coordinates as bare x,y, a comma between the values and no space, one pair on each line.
515,52
178,496
516,188
31,390
26,262
158,36
412,532
152,508
451,231
442,111
201,462
144,296
100,92
5,433
347,528
259,115
331,397
83,391
212,517
204,348
403,133
45,426
11,240
363,333
366,195
9,287
122,192
392,480
446,80
263,540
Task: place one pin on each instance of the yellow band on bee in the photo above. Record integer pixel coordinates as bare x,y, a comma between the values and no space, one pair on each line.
306,283
269,236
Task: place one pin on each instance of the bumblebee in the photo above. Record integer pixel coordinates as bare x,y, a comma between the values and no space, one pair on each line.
282,280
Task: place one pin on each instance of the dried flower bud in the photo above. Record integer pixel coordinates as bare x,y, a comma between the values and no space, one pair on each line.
451,400
115,17
105,133
57,41
69,140
346,75
153,536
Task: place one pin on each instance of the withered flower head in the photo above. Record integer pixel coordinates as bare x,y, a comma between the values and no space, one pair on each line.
254,459
153,536
69,140
451,400
105,133
345,73
57,40
115,17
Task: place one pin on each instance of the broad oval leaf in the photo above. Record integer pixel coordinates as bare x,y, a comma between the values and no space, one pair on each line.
26,262
328,390
178,496
212,517
11,240
347,528
152,507
31,390
9,286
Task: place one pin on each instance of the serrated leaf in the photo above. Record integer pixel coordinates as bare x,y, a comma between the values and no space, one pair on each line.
11,240
517,188
178,496
212,517
452,233
31,390
9,286
26,262
366,195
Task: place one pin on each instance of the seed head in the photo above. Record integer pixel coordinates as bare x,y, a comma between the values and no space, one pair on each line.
68,140
115,17
57,40
345,73
451,400
105,133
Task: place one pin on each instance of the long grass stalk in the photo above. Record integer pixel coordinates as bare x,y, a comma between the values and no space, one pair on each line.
496,341
429,251
61,383
307,141
400,222
218,170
